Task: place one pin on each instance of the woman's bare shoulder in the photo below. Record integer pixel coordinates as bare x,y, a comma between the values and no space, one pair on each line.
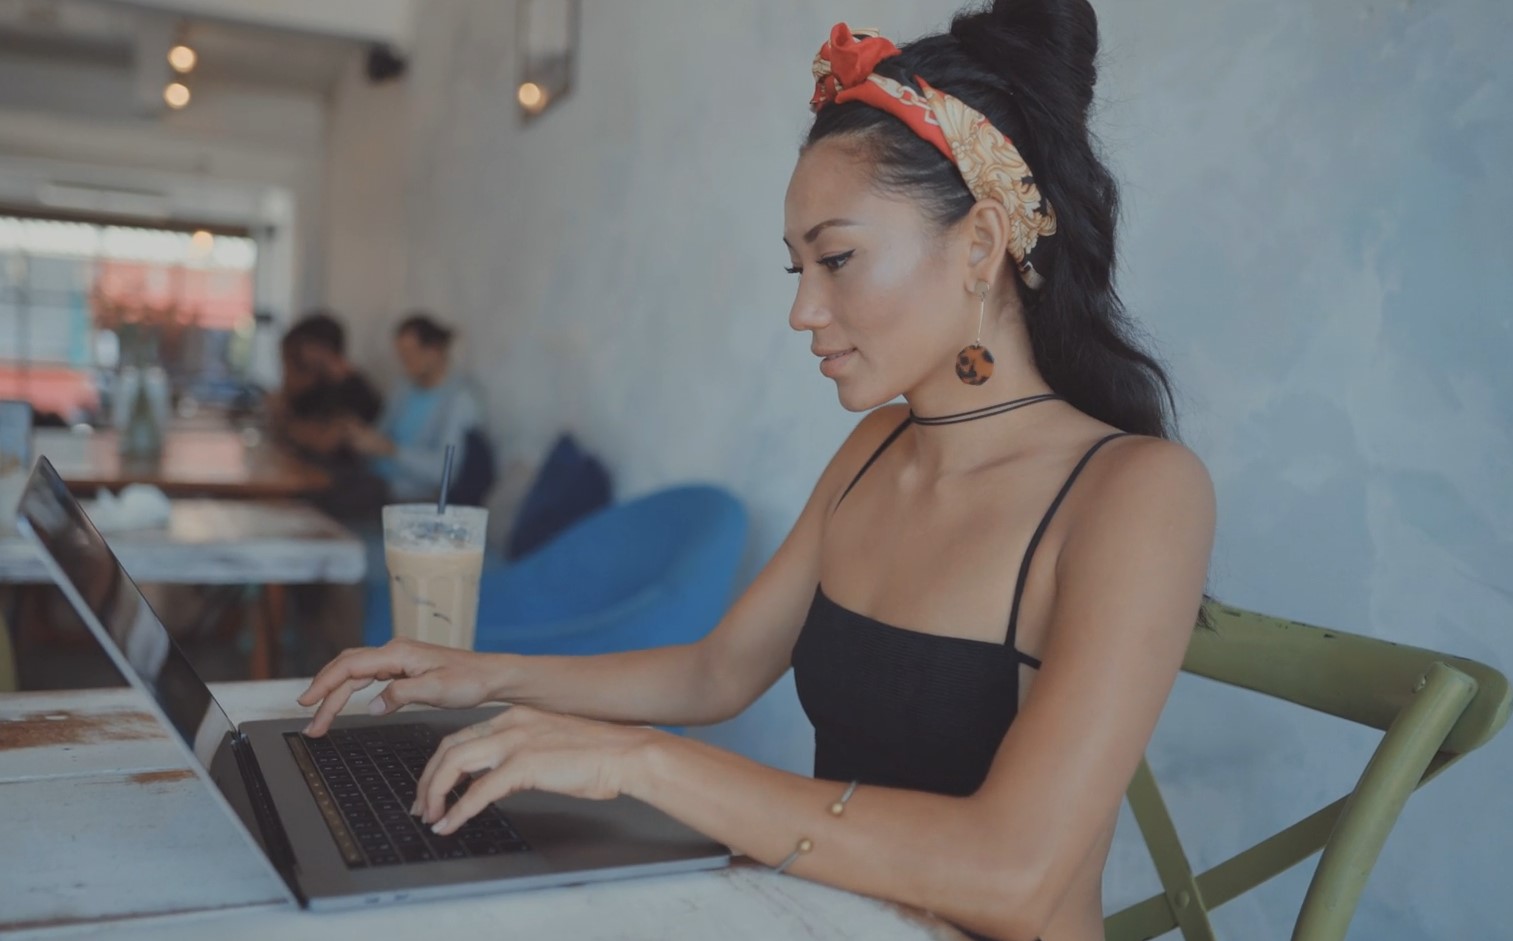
1140,464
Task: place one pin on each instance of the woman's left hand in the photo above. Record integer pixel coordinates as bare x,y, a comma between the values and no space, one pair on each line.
526,749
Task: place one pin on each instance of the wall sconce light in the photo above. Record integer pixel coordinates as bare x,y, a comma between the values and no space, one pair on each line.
176,95
547,46
532,98
182,59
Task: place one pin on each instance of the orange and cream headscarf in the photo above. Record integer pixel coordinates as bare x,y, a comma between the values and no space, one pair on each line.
988,161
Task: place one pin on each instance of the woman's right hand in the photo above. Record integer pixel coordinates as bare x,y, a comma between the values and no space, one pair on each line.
417,673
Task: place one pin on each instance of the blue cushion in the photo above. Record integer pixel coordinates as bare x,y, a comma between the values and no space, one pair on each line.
570,484
654,571
475,473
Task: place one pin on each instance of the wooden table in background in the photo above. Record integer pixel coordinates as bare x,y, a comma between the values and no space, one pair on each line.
198,462
107,833
226,542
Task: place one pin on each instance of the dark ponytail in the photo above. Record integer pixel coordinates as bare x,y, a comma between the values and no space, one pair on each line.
1029,67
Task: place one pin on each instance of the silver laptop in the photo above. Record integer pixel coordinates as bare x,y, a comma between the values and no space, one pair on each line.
331,815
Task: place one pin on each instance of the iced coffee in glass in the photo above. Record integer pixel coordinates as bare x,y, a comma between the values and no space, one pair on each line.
434,561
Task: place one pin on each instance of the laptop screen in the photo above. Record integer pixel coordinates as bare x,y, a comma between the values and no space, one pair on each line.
101,586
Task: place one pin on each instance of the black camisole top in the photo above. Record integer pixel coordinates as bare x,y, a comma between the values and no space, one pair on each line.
902,708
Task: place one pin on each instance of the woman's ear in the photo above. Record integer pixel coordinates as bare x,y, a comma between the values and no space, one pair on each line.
986,228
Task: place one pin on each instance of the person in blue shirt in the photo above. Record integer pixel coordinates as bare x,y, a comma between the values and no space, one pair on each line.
431,408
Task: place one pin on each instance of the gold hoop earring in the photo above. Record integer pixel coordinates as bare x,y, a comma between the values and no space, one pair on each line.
974,364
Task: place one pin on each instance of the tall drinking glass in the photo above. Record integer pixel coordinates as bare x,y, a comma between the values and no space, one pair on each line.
435,560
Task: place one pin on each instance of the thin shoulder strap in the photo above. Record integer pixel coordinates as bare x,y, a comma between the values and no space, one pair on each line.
871,460
1045,522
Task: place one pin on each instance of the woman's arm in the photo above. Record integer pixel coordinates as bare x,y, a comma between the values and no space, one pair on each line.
689,684
1129,582
700,683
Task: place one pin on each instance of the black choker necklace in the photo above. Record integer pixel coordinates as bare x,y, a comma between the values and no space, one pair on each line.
988,412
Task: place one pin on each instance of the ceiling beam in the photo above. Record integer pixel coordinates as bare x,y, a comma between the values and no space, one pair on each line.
380,21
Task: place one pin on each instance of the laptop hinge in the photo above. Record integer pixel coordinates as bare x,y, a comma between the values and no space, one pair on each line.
275,841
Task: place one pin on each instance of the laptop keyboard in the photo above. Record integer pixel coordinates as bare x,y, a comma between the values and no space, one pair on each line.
364,783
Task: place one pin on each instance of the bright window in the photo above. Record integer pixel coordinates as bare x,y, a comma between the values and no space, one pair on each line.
79,299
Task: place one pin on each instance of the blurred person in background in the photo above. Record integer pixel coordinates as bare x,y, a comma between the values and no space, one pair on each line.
321,395
322,391
431,408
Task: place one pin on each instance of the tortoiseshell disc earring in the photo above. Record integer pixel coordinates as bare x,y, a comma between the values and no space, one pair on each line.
974,364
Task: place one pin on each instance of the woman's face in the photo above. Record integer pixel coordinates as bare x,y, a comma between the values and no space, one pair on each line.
880,288
424,365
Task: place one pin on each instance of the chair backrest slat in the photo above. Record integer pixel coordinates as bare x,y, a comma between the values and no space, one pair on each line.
1363,679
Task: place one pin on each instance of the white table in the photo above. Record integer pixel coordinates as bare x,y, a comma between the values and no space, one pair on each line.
225,542
221,542
105,833
216,461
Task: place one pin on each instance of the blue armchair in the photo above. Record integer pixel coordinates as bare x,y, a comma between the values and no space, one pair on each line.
651,572
654,571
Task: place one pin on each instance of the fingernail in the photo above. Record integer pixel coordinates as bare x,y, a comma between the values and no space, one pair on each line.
440,825
415,809
376,707
306,730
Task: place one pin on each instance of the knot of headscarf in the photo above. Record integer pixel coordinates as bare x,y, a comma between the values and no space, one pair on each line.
992,167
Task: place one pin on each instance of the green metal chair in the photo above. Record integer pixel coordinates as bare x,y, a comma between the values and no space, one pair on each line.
1433,707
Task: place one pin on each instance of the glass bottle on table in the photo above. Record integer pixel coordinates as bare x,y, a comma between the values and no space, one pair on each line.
142,436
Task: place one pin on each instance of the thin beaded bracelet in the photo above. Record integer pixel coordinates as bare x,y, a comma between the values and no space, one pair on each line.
805,844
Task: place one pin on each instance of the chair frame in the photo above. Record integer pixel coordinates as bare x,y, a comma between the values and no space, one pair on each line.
1433,708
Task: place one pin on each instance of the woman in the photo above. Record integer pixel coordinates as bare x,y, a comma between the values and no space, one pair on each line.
431,410
989,594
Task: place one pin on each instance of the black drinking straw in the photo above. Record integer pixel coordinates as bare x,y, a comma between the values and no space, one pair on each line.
446,480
